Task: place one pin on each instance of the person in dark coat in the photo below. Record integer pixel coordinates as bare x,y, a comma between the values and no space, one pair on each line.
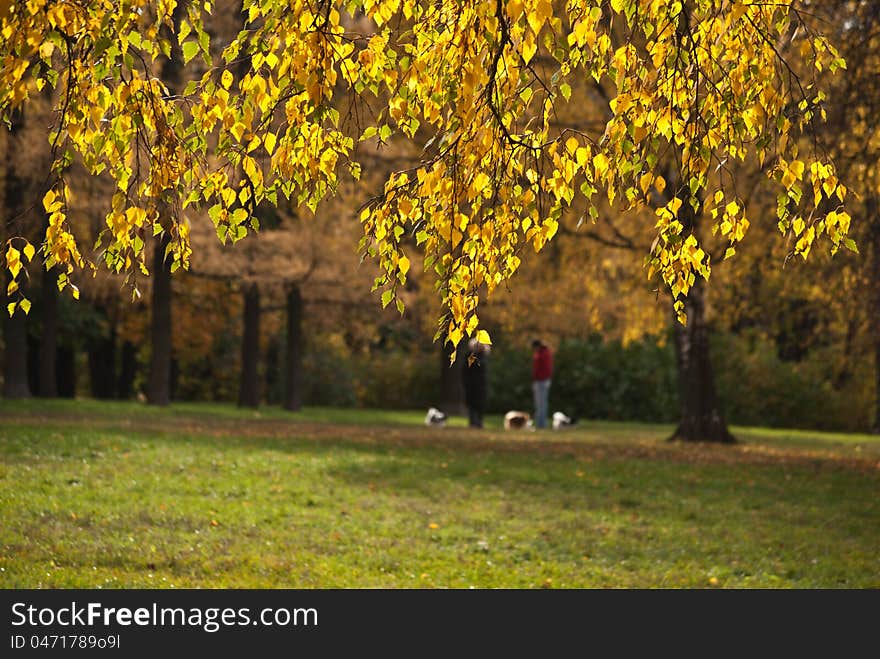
475,377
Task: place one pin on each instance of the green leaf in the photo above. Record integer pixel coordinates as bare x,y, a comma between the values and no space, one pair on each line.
134,38
190,50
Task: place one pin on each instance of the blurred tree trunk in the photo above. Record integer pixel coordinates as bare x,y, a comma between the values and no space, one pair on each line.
159,384
15,365
293,398
66,372
248,393
872,206
451,389
102,363
47,383
127,370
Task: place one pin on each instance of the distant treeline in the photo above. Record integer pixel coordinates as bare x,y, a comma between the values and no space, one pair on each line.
759,382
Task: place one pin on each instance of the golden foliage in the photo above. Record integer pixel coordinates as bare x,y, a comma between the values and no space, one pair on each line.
478,84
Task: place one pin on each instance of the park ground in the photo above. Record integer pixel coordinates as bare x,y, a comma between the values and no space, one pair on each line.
121,495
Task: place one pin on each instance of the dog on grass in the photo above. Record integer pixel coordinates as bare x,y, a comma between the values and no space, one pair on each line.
435,418
516,420
561,421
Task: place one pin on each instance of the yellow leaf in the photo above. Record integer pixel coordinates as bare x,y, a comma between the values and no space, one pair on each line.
529,48
226,79
13,261
483,337
403,265
600,163
10,308
50,202
663,125
544,10
29,251
829,184
481,180
536,18
454,334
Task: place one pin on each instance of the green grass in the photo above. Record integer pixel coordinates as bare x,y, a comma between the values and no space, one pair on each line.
120,495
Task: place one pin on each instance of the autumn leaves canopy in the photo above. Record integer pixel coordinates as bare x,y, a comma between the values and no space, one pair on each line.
482,87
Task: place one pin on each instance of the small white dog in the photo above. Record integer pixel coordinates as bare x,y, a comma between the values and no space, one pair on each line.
560,421
516,420
435,417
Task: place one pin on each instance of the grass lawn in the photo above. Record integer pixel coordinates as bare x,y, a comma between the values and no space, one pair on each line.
120,495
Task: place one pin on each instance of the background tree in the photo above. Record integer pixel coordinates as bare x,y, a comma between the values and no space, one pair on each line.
852,136
15,380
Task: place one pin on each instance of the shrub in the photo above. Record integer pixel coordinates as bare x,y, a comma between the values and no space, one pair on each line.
397,379
792,394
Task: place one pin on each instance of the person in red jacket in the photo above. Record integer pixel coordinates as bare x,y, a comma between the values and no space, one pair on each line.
542,373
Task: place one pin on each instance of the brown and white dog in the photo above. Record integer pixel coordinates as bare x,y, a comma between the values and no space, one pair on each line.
516,420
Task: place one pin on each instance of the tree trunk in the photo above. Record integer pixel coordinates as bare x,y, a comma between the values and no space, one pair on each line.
451,389
102,365
47,382
872,206
293,398
127,370
159,384
159,378
66,372
15,367
701,419
15,364
248,392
